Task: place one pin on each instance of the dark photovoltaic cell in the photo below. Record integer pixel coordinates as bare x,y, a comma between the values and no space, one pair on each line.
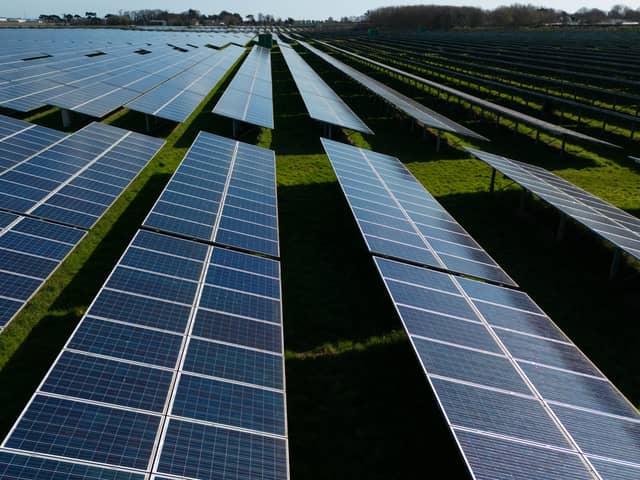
398,218
410,107
249,96
322,102
615,225
224,192
518,391
149,349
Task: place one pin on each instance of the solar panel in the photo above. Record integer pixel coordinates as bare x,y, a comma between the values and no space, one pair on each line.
398,218
224,192
521,401
609,222
150,382
77,178
321,101
30,251
176,99
410,107
499,109
249,96
19,144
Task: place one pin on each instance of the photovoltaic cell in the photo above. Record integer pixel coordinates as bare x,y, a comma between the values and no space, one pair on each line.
378,187
607,221
249,97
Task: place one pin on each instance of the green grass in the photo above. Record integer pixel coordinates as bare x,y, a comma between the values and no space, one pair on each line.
358,404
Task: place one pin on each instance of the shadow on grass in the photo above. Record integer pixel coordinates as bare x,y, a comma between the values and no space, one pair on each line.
27,366
332,290
366,414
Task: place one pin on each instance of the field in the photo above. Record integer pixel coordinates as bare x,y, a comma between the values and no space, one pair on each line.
357,402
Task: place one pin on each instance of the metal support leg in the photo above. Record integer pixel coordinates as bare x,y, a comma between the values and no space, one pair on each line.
493,180
537,136
66,118
438,142
615,264
234,128
564,143
329,131
523,198
561,227
147,122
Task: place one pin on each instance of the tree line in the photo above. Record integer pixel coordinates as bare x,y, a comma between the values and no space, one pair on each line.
164,17
439,17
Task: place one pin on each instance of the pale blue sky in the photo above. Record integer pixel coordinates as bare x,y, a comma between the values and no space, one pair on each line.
316,9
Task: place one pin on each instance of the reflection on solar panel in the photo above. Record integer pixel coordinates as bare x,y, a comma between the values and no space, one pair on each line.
223,192
176,369
77,178
249,96
177,98
321,101
611,223
398,218
413,109
30,250
522,401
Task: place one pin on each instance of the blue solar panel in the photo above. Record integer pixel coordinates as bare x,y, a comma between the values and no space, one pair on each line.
516,392
378,187
321,101
223,192
79,430
26,467
126,342
229,404
109,381
234,363
249,97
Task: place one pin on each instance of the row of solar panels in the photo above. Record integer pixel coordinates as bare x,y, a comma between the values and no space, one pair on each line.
52,177
520,398
165,83
177,369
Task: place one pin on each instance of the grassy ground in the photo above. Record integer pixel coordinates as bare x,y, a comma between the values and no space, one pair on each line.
358,405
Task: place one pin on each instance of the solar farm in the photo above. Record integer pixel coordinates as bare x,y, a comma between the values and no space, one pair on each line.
232,253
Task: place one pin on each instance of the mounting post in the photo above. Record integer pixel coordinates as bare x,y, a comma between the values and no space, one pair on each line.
564,144
523,198
561,227
438,142
66,117
147,122
493,180
234,128
615,264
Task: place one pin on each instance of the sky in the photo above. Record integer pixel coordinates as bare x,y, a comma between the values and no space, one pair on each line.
317,9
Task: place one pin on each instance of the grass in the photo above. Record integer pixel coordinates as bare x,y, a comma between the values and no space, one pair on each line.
358,405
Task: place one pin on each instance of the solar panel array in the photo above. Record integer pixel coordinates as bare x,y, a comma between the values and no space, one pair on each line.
177,98
611,223
410,107
399,219
94,77
224,192
175,370
249,96
322,102
47,176
521,399
491,106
